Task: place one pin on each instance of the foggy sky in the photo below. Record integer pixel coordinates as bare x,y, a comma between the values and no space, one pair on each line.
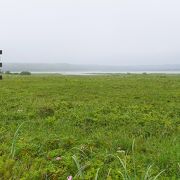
122,32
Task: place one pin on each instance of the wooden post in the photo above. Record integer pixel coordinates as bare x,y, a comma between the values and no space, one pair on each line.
0,66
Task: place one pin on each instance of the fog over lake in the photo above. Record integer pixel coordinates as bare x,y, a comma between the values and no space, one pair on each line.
88,69
106,32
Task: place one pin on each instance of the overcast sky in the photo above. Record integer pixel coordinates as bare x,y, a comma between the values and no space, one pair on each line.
118,32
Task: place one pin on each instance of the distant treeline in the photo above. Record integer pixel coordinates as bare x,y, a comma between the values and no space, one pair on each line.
21,73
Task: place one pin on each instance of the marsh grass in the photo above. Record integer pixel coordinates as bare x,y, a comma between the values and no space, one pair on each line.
124,170
90,122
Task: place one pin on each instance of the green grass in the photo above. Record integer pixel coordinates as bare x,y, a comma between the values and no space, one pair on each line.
101,127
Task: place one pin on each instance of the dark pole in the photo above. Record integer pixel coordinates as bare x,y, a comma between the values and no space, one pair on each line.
0,66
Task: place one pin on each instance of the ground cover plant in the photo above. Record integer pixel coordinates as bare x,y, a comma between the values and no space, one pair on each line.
90,127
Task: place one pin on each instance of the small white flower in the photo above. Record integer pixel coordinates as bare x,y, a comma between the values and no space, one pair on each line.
19,110
121,151
58,158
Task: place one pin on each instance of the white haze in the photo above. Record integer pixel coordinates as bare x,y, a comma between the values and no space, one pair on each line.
124,32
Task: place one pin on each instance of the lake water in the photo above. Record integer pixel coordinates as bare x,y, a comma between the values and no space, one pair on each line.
105,72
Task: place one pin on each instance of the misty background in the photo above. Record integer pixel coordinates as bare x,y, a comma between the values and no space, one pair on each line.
103,32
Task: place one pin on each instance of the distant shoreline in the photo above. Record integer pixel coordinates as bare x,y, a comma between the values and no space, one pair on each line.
101,72
90,69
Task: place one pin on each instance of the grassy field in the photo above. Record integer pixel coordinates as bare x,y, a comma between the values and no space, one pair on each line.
90,127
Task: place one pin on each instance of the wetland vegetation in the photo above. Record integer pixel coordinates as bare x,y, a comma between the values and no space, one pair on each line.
90,127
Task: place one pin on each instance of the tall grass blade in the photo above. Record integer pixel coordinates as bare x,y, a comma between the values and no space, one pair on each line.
109,173
13,146
124,167
77,165
122,175
133,154
97,174
146,176
83,153
158,175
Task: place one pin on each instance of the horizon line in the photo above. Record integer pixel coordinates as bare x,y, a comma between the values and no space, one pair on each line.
49,63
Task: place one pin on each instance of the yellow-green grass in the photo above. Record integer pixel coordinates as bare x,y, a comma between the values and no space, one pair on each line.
90,127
